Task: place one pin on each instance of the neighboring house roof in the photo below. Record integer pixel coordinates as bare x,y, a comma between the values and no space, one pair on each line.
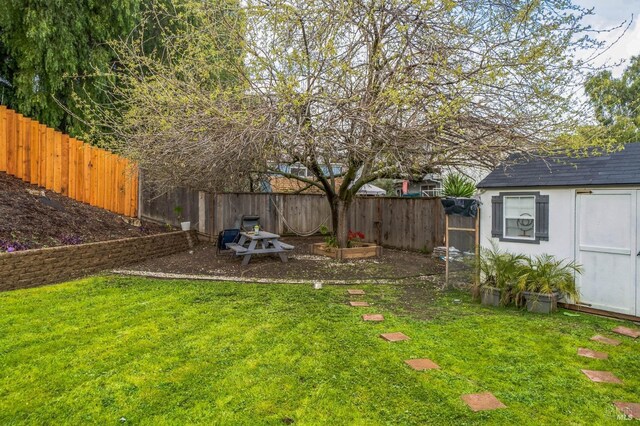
617,168
369,189
283,184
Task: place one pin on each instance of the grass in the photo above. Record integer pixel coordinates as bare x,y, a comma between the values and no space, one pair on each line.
106,349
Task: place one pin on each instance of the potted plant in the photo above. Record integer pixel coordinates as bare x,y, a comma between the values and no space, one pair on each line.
545,280
184,225
499,274
458,186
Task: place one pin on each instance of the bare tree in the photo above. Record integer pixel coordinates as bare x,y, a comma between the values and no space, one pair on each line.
384,88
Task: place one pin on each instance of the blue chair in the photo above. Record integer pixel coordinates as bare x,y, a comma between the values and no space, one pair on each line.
225,237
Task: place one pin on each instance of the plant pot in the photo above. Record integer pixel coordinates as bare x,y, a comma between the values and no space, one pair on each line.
490,296
186,226
542,303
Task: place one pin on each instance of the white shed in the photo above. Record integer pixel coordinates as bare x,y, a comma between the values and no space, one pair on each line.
583,209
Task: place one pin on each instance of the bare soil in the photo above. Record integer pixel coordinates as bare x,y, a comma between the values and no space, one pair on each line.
203,260
30,220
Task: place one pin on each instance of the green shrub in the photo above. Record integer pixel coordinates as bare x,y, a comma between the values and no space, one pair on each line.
502,270
546,274
457,185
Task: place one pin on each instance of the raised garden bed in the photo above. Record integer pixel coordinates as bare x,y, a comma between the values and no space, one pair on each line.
362,251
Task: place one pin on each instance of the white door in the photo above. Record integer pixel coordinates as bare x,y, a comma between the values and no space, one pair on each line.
607,231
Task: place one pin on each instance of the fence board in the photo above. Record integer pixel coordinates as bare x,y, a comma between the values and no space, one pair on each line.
121,184
73,164
3,138
95,170
35,152
107,181
42,162
49,158
43,156
26,151
64,164
86,166
403,223
20,125
12,142
57,161
100,183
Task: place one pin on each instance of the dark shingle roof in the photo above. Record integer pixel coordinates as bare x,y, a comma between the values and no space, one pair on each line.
617,168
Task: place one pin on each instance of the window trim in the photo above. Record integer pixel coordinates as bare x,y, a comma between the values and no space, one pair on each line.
504,218
539,234
299,167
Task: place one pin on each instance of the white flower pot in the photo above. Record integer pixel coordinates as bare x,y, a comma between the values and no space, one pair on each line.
186,226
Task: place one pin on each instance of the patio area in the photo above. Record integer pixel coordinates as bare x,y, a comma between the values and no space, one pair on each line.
301,267
141,351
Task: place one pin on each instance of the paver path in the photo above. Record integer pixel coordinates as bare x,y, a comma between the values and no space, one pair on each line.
626,331
588,353
394,337
630,409
605,340
373,317
422,364
482,401
601,376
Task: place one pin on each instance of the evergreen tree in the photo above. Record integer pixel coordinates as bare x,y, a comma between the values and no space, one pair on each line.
54,51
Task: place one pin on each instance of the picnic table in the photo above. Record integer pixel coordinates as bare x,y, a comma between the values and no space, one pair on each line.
260,242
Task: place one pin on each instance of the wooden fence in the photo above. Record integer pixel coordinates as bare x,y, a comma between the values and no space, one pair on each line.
403,223
45,157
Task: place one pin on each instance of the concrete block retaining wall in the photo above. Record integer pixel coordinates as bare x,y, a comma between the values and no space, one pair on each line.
32,268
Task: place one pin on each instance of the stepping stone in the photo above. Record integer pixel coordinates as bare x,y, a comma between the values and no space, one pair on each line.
626,331
601,376
422,364
630,409
359,304
356,292
373,317
394,337
482,401
605,340
588,353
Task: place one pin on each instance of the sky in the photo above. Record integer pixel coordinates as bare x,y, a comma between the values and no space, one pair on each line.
611,13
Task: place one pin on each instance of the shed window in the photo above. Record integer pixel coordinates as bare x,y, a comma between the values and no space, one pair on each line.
520,217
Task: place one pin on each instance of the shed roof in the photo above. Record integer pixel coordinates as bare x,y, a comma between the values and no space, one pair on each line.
617,168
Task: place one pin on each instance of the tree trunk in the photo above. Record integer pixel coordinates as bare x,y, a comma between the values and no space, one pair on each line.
339,210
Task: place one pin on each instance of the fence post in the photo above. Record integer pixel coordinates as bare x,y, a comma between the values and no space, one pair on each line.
280,213
202,209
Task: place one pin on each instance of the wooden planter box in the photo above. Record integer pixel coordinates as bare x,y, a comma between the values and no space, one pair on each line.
363,251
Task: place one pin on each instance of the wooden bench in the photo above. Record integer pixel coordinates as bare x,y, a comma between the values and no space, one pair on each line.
286,246
236,247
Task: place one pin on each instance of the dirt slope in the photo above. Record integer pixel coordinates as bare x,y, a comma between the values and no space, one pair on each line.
31,217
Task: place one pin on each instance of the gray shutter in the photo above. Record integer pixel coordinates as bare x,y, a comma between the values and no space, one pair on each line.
496,216
542,217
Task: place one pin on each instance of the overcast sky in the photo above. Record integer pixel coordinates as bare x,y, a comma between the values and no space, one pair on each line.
610,13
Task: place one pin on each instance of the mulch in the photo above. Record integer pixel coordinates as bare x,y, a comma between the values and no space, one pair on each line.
203,260
31,217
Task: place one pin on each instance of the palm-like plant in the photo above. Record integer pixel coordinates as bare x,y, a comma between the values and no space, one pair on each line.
501,269
457,185
545,274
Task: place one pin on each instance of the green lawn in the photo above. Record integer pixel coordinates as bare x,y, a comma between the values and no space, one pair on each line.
175,352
